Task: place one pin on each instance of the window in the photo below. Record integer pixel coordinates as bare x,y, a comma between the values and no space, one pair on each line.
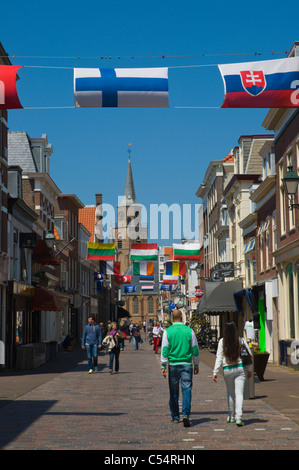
150,304
262,252
64,275
61,227
253,268
135,306
274,231
290,284
282,201
268,248
248,271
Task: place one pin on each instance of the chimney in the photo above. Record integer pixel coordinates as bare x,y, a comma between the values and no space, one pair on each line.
99,198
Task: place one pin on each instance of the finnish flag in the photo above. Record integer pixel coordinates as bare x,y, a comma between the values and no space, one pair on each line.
143,87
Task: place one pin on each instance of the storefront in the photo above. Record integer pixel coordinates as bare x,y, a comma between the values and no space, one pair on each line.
20,324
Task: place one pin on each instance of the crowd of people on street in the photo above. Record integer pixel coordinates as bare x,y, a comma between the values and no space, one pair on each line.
180,352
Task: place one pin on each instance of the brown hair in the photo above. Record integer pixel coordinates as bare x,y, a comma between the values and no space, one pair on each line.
231,344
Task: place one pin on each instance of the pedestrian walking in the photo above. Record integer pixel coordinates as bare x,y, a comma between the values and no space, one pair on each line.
179,349
135,336
234,372
156,336
114,353
92,342
123,328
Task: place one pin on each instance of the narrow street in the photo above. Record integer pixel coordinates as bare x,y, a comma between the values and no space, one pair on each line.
129,411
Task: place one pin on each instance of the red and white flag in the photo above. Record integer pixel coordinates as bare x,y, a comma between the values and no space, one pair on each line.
123,279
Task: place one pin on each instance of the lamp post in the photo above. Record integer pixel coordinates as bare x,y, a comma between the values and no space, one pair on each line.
290,182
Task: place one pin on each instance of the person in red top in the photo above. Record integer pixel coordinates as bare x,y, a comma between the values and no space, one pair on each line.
156,336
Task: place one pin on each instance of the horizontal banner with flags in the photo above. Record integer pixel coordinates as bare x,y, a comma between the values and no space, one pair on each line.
144,251
110,267
265,84
117,88
143,268
174,268
261,84
186,251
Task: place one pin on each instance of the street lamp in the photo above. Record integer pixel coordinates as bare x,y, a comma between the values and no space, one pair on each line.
290,182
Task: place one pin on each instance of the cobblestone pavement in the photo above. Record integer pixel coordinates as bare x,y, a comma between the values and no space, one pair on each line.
129,411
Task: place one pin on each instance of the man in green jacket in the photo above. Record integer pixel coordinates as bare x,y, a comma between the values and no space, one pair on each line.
179,348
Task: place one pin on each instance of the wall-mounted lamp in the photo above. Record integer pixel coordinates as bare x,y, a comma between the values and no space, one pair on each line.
290,182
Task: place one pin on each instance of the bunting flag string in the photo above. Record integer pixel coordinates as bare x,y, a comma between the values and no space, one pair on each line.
264,84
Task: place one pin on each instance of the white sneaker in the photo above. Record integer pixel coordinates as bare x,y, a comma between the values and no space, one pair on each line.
90,371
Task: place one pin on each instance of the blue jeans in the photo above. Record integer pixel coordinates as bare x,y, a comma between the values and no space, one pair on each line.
183,373
114,354
92,355
135,342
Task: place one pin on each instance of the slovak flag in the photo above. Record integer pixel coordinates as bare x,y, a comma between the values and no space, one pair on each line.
8,88
112,88
266,84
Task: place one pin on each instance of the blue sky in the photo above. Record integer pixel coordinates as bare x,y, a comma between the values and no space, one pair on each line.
171,148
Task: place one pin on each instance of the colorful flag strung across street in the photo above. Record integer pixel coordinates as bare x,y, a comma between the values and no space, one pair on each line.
143,268
8,88
266,84
129,289
123,279
170,279
146,278
144,251
110,88
109,267
101,251
168,287
147,288
186,251
175,268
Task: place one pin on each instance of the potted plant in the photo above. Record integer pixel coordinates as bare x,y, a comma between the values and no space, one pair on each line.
260,362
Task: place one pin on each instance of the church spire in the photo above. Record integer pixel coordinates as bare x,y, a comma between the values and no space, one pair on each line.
129,194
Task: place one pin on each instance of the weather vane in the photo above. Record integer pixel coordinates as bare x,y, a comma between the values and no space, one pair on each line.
129,151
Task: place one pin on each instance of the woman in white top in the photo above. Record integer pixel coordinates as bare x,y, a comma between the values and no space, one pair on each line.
228,356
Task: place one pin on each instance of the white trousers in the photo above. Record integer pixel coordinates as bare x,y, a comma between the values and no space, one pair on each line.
235,380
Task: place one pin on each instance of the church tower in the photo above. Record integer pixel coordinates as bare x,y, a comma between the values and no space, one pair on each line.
129,228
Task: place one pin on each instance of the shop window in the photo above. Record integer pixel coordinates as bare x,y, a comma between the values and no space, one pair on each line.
19,327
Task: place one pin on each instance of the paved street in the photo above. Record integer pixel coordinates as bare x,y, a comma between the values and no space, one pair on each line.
129,411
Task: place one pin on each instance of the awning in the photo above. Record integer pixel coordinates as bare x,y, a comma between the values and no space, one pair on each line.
218,297
122,312
46,300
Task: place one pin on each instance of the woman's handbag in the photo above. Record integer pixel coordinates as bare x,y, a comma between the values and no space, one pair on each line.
245,356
